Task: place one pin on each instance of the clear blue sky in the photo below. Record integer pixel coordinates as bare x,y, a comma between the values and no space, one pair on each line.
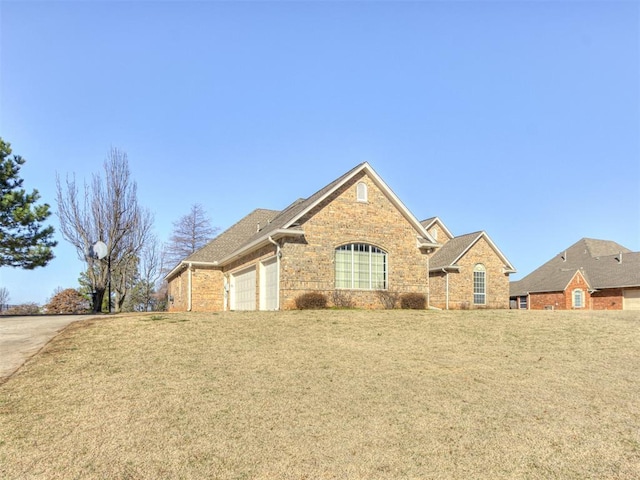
518,118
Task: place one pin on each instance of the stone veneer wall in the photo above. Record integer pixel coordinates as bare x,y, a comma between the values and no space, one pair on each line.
438,234
461,283
207,293
177,291
308,264
207,290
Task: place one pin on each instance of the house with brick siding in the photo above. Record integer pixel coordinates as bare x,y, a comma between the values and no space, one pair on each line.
468,271
589,275
354,241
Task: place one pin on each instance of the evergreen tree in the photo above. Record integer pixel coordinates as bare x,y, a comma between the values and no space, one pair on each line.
24,241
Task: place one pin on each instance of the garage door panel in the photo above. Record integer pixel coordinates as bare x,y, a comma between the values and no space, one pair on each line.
269,285
631,299
244,290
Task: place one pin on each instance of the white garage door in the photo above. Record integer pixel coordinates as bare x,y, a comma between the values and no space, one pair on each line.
631,299
269,285
243,290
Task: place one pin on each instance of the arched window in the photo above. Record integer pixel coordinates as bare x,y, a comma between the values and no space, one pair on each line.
479,285
578,298
361,266
361,192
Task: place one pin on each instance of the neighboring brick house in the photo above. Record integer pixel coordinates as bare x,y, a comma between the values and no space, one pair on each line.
589,275
468,271
353,240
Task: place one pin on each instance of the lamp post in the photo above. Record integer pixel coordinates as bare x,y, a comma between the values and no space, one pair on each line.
109,278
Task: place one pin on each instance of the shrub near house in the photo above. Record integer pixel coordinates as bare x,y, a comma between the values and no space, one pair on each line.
68,301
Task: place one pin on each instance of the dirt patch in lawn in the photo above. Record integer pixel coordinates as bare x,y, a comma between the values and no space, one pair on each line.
330,394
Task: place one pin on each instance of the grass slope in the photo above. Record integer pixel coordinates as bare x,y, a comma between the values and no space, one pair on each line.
330,394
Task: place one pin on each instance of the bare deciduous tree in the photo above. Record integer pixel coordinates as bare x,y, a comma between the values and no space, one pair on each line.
149,269
108,211
191,232
4,298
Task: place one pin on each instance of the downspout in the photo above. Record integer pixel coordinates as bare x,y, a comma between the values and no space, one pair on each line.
446,287
446,276
189,269
278,255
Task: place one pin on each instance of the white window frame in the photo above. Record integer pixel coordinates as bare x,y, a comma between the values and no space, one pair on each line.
362,194
349,258
577,293
479,288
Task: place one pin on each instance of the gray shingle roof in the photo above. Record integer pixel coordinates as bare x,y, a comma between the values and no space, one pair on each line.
598,260
232,238
449,253
244,236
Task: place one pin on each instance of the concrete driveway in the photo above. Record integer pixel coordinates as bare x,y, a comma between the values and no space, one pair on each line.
23,337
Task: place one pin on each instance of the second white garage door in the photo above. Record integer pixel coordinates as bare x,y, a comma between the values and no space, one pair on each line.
243,290
269,285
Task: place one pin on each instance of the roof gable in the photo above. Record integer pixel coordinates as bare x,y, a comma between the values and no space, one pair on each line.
452,251
286,221
432,222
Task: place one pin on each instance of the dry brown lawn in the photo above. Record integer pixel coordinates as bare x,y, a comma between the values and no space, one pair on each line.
330,395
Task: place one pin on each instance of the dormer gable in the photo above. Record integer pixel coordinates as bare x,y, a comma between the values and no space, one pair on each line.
437,229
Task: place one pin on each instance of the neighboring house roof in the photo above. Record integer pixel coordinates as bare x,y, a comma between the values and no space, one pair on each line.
603,263
447,257
239,239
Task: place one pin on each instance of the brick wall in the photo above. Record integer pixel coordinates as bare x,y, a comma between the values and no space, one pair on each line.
609,299
541,301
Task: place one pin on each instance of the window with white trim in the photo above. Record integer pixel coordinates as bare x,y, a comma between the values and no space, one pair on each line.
523,302
479,285
361,266
361,192
578,298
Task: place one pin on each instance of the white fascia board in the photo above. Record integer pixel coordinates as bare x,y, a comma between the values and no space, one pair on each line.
175,270
186,264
